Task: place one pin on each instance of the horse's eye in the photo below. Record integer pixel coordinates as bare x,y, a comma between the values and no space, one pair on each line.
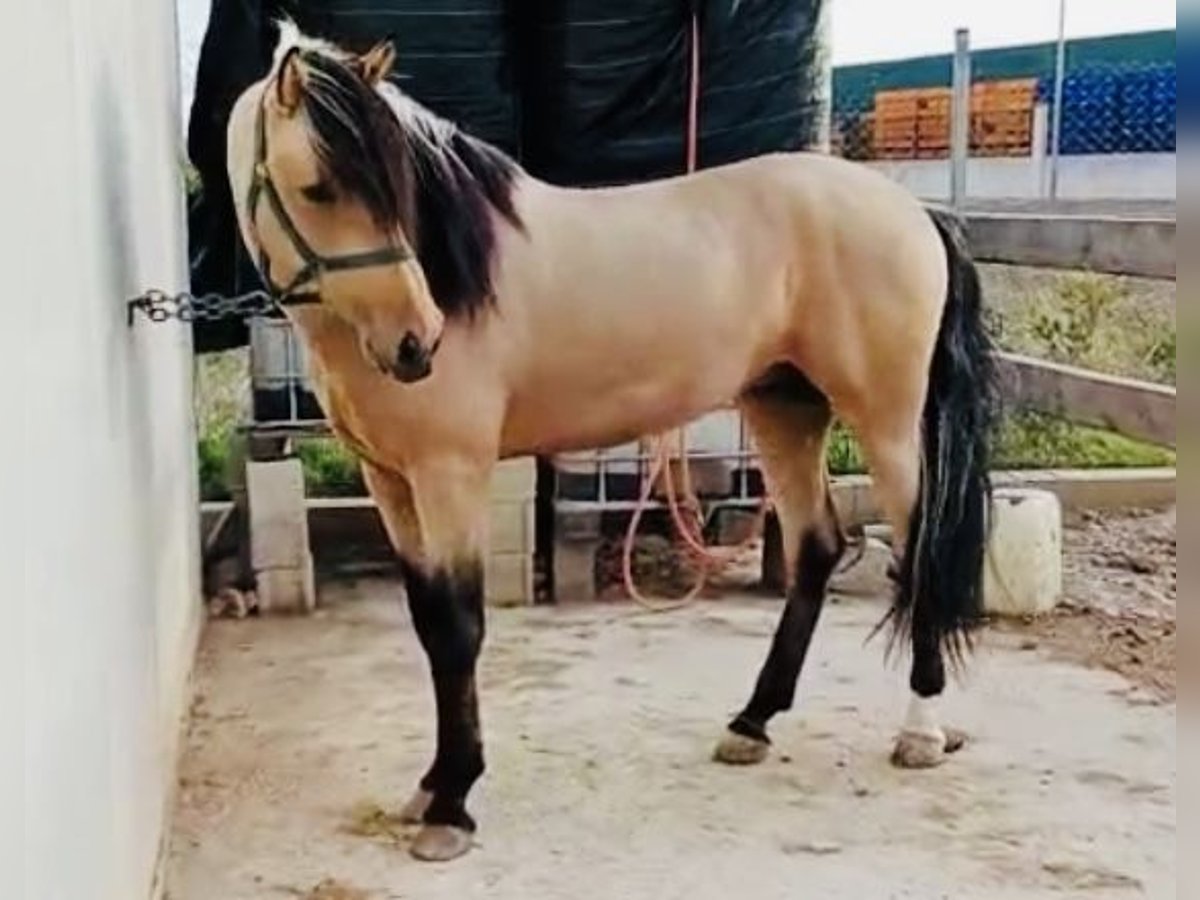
321,193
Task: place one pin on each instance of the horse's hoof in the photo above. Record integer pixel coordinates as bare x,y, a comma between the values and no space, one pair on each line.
924,751
440,843
413,812
739,750
956,739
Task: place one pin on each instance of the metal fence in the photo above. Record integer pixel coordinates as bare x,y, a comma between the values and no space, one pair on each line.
1106,112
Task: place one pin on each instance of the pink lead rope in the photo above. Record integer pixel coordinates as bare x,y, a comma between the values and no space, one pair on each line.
688,528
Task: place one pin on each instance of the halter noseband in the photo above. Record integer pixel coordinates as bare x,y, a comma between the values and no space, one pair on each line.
315,264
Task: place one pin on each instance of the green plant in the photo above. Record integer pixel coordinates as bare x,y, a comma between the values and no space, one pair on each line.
330,470
212,451
1109,324
1035,441
1031,441
1160,355
191,177
844,456
1069,330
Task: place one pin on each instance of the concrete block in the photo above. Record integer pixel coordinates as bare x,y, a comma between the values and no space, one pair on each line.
514,479
574,571
1023,569
576,522
865,572
287,591
278,514
854,500
511,526
279,545
1075,489
1120,246
508,579
1100,488
1136,408
736,526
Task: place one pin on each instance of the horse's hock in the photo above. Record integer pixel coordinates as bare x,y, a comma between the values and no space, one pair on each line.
281,554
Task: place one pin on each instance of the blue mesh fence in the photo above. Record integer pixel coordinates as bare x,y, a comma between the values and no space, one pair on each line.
1108,107
1116,109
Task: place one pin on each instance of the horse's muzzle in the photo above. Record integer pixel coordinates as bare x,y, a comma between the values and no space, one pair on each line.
413,361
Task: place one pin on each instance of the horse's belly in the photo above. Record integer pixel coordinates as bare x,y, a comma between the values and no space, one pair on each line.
571,416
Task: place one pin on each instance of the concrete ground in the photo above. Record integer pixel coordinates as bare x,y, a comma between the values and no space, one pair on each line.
599,722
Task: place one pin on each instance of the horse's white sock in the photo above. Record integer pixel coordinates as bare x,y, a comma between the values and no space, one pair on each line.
922,718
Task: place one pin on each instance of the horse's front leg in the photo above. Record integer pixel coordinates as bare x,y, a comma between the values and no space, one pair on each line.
436,518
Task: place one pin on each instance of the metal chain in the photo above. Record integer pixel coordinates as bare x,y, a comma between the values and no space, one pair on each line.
160,306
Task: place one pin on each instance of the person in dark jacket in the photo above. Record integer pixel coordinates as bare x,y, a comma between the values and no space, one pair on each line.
235,53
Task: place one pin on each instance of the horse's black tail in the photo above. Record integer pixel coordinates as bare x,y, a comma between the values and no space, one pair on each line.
940,590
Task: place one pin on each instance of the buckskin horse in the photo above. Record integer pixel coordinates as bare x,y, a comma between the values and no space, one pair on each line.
459,311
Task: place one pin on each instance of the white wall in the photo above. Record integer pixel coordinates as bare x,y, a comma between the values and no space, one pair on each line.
1109,176
100,587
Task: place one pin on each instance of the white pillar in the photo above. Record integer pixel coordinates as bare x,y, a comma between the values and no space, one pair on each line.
960,118
1039,150
279,548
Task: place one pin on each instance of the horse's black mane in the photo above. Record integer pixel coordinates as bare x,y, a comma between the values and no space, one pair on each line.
440,186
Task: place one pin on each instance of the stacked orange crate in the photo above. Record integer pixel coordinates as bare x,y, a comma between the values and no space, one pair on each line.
1002,117
915,123
894,124
933,123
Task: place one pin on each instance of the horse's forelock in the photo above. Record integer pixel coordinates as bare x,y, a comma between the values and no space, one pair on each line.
358,142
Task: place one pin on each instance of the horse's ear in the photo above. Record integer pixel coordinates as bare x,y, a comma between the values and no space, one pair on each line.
289,84
376,64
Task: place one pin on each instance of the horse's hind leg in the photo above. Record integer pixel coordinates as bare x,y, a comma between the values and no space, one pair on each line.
790,421
892,444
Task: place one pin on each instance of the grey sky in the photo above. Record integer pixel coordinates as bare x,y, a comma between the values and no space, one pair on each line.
870,30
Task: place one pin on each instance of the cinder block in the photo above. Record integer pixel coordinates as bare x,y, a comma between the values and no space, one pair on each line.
575,570
288,590
511,526
279,547
736,526
866,572
508,579
514,479
854,500
278,514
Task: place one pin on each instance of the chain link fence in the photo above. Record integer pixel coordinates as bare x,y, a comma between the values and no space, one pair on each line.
1116,132
1116,108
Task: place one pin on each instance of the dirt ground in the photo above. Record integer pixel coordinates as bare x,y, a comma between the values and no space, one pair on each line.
1119,610
308,733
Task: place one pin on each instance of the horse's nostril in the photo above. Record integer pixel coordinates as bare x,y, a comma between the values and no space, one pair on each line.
410,350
